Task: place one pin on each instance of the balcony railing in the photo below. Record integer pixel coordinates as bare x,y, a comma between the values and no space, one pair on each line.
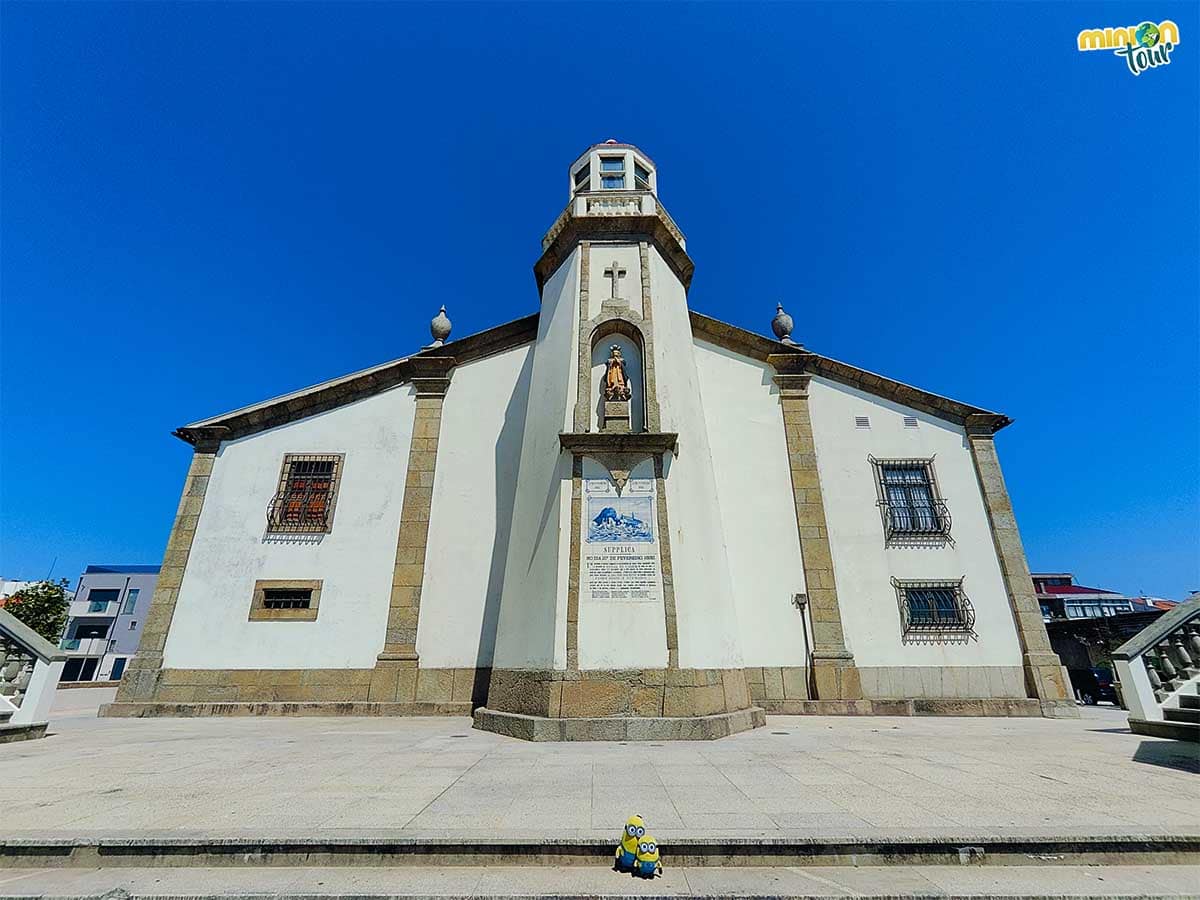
29,670
84,646
915,521
300,512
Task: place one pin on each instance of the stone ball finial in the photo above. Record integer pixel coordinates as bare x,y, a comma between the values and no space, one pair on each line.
782,325
439,327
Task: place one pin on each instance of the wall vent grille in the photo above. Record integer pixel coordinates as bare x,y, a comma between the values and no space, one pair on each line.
862,422
910,421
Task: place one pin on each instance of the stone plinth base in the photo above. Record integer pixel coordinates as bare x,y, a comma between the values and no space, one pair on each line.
684,728
30,732
349,708
925,706
616,416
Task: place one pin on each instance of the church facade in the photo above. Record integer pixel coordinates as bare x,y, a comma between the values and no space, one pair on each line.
615,518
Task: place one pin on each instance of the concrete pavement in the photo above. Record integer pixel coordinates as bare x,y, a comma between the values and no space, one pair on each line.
799,775
515,881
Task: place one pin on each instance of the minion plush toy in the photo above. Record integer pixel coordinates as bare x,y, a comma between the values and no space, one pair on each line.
648,862
626,853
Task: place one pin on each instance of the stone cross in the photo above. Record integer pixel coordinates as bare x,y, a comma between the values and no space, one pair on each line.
614,272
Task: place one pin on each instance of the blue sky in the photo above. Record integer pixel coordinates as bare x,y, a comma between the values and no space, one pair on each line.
208,205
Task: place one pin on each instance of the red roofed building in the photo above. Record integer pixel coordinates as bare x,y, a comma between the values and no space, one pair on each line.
1061,598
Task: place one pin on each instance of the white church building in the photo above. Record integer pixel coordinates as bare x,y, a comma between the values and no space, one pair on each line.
616,518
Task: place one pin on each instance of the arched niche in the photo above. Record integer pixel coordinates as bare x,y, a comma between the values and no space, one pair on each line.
628,339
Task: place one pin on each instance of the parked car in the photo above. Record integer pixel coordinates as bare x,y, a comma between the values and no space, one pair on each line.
1093,685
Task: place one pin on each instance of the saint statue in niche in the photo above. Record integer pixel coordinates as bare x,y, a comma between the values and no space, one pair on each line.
616,382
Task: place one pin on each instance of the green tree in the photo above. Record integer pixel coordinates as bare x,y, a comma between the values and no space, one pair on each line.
43,607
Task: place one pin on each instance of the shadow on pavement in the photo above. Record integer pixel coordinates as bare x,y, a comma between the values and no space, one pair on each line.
1170,754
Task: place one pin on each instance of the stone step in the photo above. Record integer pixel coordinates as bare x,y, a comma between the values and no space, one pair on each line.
511,881
707,849
1179,731
1189,701
31,731
1181,714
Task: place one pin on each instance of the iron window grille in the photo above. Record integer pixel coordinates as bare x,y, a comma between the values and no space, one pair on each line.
934,607
306,495
287,598
910,503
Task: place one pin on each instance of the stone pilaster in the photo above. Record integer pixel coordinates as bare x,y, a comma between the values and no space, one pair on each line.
668,571
1043,669
835,676
141,678
653,416
394,678
573,564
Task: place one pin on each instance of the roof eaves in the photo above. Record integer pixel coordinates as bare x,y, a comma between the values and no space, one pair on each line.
756,346
355,386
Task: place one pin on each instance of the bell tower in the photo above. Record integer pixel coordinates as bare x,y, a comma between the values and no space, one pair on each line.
617,618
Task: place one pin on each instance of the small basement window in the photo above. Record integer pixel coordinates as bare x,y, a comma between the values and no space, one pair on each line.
278,600
287,598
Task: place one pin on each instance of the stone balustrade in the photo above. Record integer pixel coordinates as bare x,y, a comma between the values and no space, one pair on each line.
30,667
1159,670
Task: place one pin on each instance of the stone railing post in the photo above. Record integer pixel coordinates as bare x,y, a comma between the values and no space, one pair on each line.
30,667
39,693
1136,689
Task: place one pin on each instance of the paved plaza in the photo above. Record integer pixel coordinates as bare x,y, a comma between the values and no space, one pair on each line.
514,881
799,776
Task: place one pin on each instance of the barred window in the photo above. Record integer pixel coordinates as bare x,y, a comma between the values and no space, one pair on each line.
909,501
932,607
307,492
285,600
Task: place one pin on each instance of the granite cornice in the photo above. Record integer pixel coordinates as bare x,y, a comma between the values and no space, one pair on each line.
657,228
796,361
600,442
427,364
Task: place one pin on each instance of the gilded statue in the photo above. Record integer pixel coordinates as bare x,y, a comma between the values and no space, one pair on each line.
616,381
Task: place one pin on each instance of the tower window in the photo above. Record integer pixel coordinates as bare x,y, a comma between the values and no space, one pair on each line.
612,172
583,177
641,177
